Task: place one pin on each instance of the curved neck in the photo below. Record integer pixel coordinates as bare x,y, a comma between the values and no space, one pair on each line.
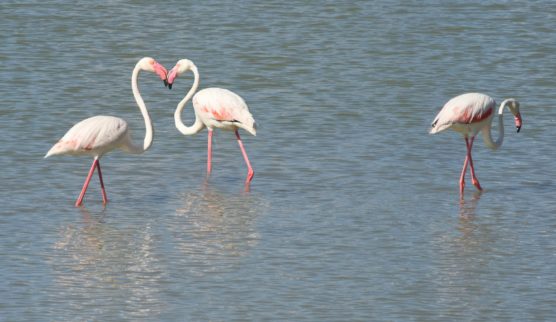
487,135
149,131
198,125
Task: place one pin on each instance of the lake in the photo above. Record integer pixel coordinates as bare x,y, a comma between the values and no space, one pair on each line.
354,212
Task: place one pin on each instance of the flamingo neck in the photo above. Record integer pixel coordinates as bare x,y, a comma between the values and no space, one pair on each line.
487,135
149,130
198,125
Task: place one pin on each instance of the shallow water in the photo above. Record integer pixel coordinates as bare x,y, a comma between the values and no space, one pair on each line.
354,211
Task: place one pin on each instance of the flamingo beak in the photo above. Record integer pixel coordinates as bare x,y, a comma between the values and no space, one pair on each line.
518,122
161,72
172,75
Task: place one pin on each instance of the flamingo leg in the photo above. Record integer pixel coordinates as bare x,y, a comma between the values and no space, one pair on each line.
474,178
104,198
250,172
79,200
463,171
209,152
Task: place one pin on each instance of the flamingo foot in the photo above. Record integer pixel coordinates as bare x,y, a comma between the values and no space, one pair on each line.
250,175
461,187
477,184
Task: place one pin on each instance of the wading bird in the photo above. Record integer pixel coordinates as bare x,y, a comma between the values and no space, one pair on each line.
470,114
214,108
101,134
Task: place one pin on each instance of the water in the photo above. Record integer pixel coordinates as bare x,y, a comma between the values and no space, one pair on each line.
354,212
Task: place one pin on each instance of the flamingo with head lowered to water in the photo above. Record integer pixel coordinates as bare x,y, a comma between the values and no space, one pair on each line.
470,114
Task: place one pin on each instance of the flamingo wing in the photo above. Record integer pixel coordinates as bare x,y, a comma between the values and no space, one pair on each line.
95,135
218,105
463,109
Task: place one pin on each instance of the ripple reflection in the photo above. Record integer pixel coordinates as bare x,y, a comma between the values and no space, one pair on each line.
106,269
467,208
214,229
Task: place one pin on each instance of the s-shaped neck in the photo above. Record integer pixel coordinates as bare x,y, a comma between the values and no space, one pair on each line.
198,125
149,130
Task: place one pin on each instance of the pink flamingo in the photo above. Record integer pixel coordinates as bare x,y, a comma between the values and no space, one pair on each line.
469,114
101,134
214,108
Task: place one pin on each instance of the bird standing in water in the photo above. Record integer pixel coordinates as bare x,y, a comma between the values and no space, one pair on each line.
470,114
214,108
101,134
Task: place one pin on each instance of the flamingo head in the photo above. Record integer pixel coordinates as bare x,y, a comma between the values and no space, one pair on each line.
513,106
151,65
182,66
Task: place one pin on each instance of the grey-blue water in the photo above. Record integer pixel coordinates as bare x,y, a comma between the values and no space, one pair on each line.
354,210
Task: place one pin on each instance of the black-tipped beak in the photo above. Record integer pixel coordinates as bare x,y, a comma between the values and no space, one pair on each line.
165,83
518,122
169,86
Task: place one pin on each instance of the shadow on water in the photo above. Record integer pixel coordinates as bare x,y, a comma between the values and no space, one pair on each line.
101,268
214,229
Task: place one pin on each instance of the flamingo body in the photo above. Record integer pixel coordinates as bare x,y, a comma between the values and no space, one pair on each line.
93,136
470,114
467,114
223,109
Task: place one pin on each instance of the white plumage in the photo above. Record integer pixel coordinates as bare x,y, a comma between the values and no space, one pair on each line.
93,136
223,109
464,114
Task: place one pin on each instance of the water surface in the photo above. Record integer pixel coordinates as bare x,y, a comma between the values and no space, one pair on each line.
354,211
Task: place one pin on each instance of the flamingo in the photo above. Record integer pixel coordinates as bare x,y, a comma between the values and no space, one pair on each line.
470,114
214,108
101,134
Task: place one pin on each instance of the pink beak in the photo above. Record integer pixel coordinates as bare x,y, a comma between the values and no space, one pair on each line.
172,75
161,72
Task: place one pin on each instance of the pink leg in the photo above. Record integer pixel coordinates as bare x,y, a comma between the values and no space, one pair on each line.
250,172
473,176
462,177
464,170
104,198
79,200
209,152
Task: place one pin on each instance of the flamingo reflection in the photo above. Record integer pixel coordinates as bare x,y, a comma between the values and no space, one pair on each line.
94,257
214,229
